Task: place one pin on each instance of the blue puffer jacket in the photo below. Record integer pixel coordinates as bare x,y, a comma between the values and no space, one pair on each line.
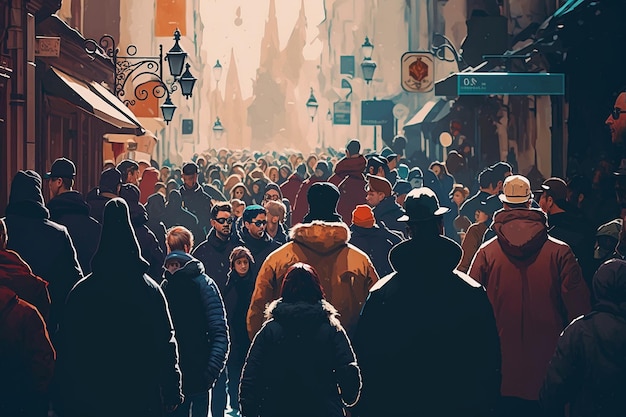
199,319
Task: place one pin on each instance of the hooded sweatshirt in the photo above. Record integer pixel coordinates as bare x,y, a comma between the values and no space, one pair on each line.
146,187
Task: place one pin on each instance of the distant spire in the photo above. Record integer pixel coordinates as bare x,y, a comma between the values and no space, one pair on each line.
234,114
270,44
293,54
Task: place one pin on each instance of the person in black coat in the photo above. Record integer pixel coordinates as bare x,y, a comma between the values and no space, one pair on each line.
117,354
429,326
108,188
588,370
300,362
197,201
376,241
381,199
177,215
150,249
199,320
44,245
255,237
67,207
155,207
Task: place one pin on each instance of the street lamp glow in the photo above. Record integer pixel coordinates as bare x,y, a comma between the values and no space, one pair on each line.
218,129
367,48
187,81
217,71
176,57
311,105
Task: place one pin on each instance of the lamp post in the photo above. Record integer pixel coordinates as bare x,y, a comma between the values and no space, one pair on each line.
218,129
368,66
143,69
311,105
217,72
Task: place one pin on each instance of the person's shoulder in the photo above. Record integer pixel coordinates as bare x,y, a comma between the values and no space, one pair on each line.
382,283
467,281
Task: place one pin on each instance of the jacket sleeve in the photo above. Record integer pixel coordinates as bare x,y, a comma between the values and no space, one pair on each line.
574,291
252,381
218,329
479,267
470,245
347,369
167,351
264,292
157,258
68,273
564,374
38,348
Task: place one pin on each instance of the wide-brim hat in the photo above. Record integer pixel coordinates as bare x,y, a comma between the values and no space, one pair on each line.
421,204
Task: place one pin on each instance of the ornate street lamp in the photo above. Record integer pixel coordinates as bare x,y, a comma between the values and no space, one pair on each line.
218,129
176,56
186,81
311,105
368,66
367,48
168,109
217,71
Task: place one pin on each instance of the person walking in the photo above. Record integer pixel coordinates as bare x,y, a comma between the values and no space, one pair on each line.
536,287
199,318
301,362
448,357
117,354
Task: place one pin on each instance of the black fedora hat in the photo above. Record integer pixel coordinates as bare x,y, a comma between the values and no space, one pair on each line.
421,204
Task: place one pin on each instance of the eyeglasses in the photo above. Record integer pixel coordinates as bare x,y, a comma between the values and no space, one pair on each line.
274,197
259,223
617,112
223,220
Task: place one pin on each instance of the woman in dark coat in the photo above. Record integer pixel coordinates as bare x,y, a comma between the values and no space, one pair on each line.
117,355
301,357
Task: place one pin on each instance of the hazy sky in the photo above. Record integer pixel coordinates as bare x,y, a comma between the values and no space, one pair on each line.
223,30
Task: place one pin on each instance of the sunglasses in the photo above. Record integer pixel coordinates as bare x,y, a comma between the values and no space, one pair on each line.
259,223
274,197
617,112
223,220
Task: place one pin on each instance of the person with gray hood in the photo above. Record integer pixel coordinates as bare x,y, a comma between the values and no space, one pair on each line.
44,245
588,370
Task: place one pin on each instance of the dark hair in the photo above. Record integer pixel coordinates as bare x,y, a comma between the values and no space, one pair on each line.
353,147
239,252
301,283
220,206
485,178
68,183
499,169
251,212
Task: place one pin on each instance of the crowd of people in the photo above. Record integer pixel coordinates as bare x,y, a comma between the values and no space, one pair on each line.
276,284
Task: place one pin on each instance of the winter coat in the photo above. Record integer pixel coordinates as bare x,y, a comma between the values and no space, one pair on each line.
431,327
297,362
536,287
237,296
44,245
348,178
199,318
26,358
214,254
588,369
471,243
388,212
155,207
16,275
260,248
117,354
199,204
376,242
291,187
70,210
176,215
345,271
469,206
301,204
97,202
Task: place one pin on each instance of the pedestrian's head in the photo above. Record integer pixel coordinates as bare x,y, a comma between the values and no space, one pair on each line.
516,192
363,216
403,171
485,210
416,177
301,284
4,236
301,170
376,166
459,193
322,170
276,211
26,193
129,170
61,176
400,189
110,181
553,195
607,237
190,174
353,147
222,219
609,286
130,193
377,188
272,192
322,198
165,174
240,260
485,180
423,213
255,220
500,171
616,121
238,207
179,238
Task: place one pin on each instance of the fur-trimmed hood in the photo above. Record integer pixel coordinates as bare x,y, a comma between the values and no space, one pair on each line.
302,314
319,236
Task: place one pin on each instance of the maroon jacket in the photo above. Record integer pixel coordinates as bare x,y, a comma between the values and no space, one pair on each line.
536,288
17,275
348,177
301,205
291,187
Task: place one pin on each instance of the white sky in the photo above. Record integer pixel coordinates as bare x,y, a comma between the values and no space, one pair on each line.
221,33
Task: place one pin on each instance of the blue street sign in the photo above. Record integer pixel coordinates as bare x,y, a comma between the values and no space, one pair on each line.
376,112
341,112
521,84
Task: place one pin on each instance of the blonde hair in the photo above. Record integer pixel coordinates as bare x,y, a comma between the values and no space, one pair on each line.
235,202
179,238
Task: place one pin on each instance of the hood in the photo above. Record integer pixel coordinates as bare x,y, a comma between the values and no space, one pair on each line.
406,256
26,198
149,178
175,202
321,237
130,193
301,315
261,184
191,266
521,232
609,287
351,166
70,202
275,187
155,206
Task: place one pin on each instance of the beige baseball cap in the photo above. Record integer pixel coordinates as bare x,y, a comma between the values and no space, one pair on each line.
515,190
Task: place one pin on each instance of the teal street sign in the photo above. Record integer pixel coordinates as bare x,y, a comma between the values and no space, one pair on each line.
376,112
341,113
501,83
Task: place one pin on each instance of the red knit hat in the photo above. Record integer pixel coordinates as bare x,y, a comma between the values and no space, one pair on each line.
363,216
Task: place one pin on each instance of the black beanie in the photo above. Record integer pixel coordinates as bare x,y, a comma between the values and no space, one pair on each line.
322,198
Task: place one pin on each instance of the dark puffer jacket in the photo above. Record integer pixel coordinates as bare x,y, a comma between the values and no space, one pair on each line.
376,242
388,212
199,203
588,369
296,362
214,253
447,354
70,210
177,215
199,321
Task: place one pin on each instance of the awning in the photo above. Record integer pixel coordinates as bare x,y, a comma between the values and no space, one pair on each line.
90,97
433,111
145,143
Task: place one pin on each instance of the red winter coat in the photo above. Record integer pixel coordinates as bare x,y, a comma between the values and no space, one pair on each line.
536,288
17,275
291,187
348,177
